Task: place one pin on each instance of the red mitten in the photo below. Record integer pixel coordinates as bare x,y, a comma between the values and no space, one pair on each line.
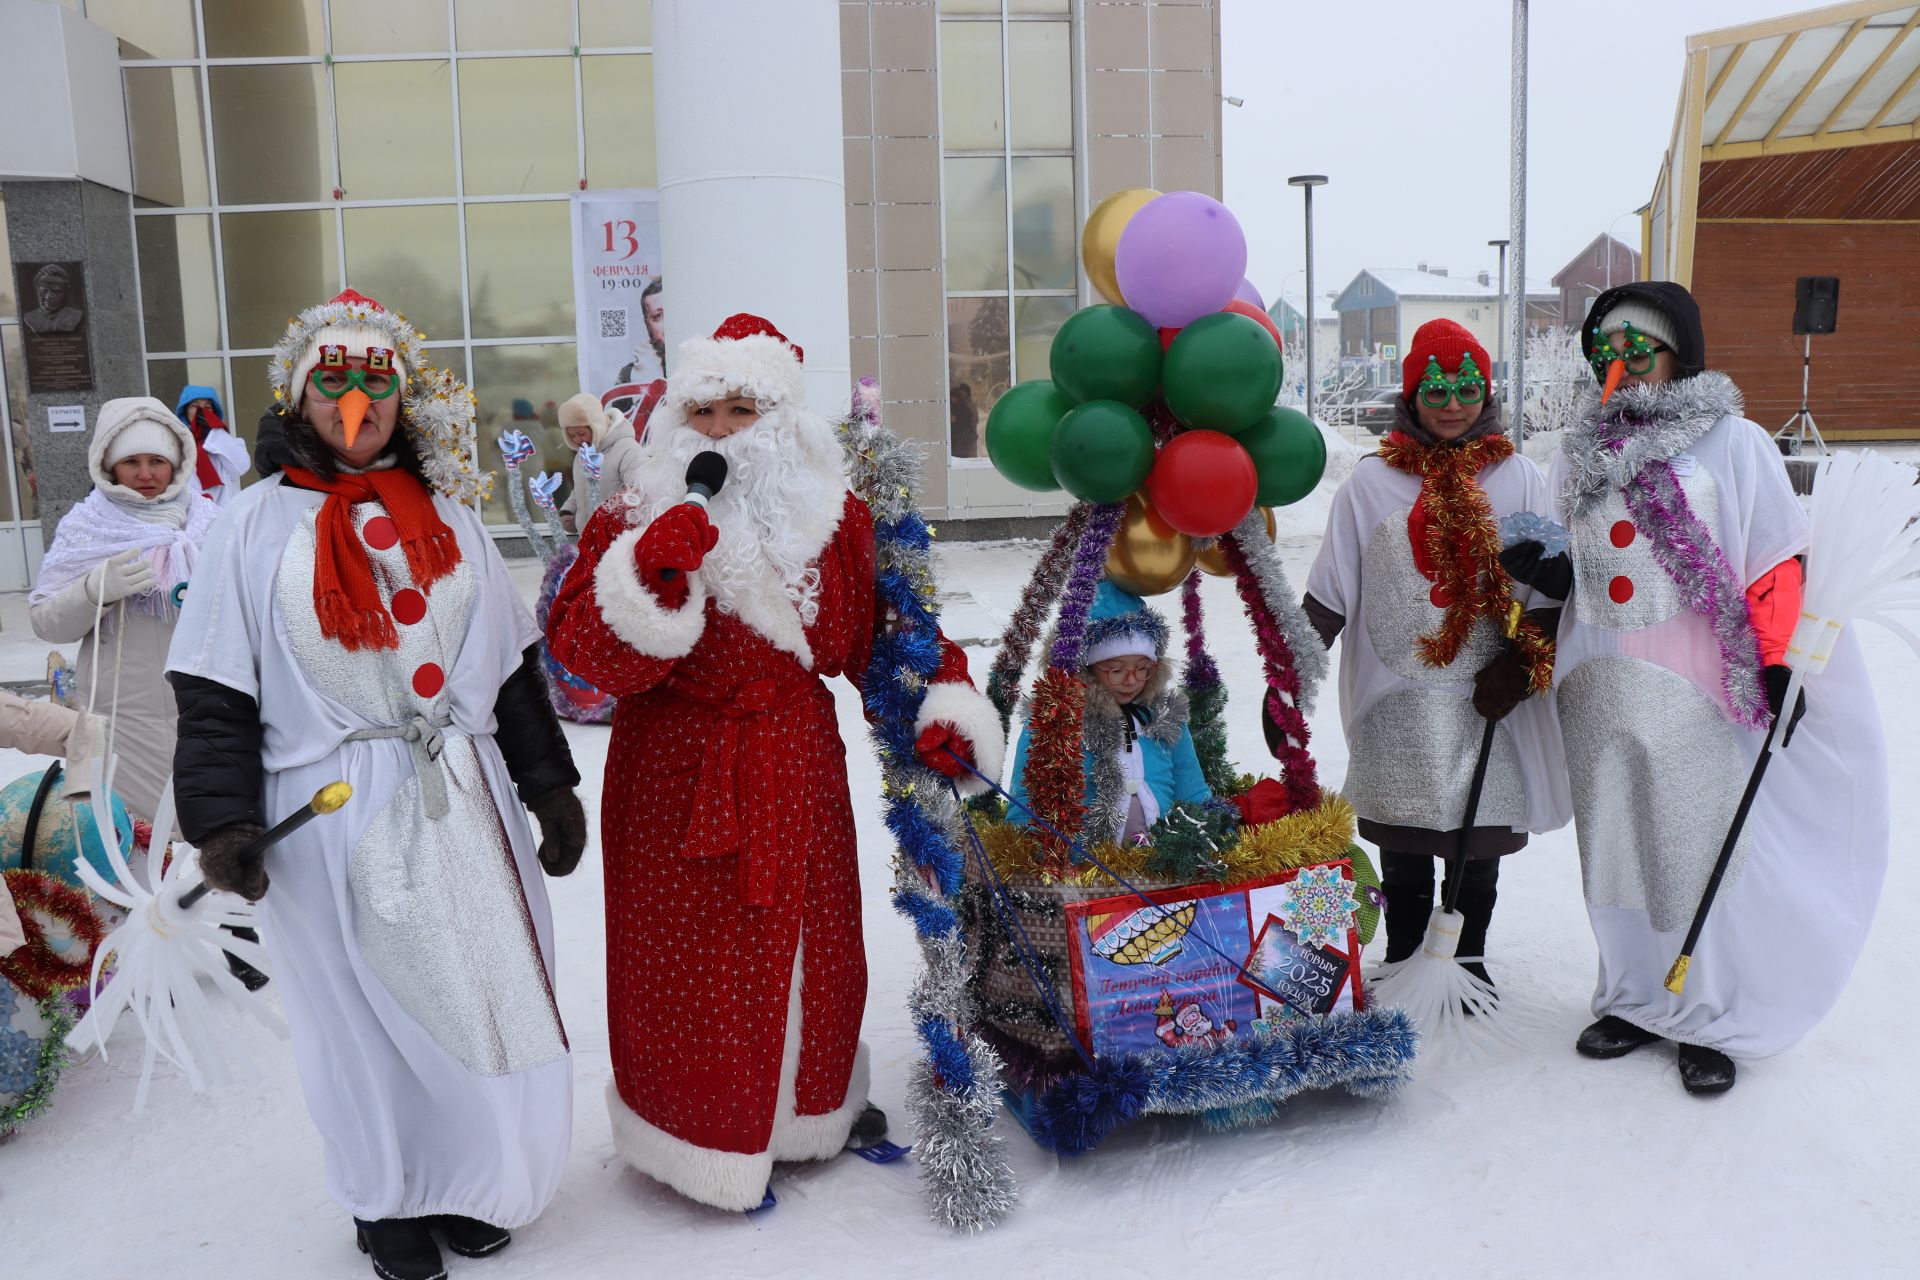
673,546
935,743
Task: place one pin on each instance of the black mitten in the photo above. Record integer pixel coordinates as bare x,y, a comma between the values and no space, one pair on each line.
1525,562
230,863
563,830
1777,677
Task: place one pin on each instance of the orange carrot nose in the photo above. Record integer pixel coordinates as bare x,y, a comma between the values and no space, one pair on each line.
1615,371
353,411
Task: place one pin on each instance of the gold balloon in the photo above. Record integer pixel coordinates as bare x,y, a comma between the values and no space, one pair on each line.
1214,558
1101,237
1149,556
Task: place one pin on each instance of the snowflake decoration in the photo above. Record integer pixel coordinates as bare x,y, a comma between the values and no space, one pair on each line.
1319,906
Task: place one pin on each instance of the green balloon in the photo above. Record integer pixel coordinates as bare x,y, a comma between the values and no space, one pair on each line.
1020,433
1102,451
1222,372
1107,353
1289,456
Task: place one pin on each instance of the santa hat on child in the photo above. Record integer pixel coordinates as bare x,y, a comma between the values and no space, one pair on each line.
746,356
1448,343
1120,625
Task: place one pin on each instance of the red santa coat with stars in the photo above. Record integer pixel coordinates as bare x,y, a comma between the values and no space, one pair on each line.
733,897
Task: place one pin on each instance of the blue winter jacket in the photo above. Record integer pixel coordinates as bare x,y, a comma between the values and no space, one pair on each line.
1172,771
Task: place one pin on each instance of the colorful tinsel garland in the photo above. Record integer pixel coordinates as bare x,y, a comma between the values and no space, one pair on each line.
33,966
1206,695
50,1059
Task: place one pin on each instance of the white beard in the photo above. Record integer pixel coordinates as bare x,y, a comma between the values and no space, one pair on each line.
786,485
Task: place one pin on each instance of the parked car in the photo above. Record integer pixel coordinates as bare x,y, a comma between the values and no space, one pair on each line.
1376,412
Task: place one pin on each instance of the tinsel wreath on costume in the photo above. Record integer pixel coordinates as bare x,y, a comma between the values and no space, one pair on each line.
570,696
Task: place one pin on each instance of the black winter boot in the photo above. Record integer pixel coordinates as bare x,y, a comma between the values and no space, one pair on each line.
1477,896
1705,1071
870,1128
470,1237
1407,880
401,1249
1612,1037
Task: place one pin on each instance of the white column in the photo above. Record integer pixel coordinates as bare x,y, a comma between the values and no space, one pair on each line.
747,123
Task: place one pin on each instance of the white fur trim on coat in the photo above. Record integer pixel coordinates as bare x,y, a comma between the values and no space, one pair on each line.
818,1137
635,616
966,709
723,1179
759,365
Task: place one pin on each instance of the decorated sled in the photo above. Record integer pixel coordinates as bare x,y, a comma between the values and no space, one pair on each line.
572,698
1211,969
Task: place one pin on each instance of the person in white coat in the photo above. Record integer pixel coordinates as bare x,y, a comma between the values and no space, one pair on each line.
1684,587
353,622
114,579
586,423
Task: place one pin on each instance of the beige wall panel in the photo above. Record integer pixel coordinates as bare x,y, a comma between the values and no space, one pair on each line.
858,167
853,36
1183,38
903,36
906,104
909,235
861,238
1117,102
1185,103
1114,164
1117,37
914,369
909,170
911,304
863,308
856,107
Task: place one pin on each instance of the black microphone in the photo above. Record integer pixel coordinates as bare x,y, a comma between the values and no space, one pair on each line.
705,475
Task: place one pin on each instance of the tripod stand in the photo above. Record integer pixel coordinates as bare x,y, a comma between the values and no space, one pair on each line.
1801,427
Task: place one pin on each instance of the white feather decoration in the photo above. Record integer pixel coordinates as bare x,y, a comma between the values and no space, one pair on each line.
163,953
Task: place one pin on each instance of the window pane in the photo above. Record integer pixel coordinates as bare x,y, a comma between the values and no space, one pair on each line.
270,134
254,29
520,270
978,368
1042,74
618,94
971,99
1036,320
22,437
166,135
409,258
379,161
382,26
1036,6
179,301
513,24
8,305
147,28
976,211
520,389
277,264
970,6
516,126
1043,250
622,23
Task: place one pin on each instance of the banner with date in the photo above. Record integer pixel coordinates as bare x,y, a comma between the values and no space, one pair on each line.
619,303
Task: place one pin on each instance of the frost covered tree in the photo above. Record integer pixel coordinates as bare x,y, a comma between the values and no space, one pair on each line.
1556,375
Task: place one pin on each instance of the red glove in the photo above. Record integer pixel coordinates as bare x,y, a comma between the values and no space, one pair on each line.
934,744
1264,802
673,546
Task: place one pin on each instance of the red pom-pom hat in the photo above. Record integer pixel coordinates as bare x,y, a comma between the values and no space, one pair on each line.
1446,341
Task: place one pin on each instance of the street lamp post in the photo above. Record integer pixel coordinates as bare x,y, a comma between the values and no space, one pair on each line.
1517,217
1500,304
1307,182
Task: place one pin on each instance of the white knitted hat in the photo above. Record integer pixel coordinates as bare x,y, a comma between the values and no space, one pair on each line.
1643,317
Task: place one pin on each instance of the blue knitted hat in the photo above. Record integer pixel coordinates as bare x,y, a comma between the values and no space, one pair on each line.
1120,625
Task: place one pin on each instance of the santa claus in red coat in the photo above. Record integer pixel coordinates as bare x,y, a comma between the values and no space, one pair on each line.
732,879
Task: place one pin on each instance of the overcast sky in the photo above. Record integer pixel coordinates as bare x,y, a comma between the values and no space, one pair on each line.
1405,106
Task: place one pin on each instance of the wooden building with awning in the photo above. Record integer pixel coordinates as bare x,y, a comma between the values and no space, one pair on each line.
1796,152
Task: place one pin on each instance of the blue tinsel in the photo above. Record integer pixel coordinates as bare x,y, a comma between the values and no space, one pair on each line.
931,917
922,840
946,1053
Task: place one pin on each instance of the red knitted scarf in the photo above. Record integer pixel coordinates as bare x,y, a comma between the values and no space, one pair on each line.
345,597
1456,546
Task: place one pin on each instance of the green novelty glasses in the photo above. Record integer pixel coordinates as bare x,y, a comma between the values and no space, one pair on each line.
1435,389
1638,355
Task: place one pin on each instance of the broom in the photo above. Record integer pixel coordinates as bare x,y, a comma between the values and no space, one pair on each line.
1863,562
1431,986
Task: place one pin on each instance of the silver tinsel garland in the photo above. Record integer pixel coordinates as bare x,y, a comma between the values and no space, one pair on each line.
1263,559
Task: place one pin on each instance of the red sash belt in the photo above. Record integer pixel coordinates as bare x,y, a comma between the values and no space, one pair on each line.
734,808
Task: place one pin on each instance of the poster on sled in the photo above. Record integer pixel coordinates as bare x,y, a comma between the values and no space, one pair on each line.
1196,965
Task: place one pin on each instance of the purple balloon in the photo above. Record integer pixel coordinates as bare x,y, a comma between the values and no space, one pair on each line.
1181,257
1247,293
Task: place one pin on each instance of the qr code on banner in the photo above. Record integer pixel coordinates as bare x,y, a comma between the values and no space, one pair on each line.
613,322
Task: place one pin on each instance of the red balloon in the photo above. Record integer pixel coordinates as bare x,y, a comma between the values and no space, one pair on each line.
1241,307
1167,336
1202,483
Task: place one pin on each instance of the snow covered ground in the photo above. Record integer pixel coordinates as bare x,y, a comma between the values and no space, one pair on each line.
1538,1163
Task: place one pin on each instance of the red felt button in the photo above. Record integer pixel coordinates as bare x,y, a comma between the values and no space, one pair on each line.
1621,589
1622,533
380,533
428,679
409,607
1440,596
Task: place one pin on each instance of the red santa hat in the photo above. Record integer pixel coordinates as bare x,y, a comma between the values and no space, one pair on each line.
350,321
746,356
1446,341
